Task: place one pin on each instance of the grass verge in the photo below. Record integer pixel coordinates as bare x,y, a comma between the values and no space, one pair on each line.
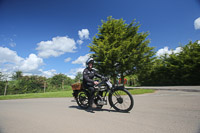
140,91
62,94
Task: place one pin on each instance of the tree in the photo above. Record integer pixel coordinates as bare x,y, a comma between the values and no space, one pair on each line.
119,50
2,83
177,68
1,76
17,75
59,80
79,77
189,60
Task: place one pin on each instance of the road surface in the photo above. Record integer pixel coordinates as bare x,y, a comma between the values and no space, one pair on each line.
159,112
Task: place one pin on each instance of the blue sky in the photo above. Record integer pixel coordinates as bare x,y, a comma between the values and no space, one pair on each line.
46,37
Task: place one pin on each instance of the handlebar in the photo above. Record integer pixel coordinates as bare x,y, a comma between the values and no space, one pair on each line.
103,80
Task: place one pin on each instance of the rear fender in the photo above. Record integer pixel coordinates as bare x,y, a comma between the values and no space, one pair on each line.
75,93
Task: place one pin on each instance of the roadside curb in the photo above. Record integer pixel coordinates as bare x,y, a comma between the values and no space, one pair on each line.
170,88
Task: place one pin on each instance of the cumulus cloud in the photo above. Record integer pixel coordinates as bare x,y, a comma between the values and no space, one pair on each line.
11,62
166,51
81,59
32,63
56,47
83,34
9,56
197,24
68,59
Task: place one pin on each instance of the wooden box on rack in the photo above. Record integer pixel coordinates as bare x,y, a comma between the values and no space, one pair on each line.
76,86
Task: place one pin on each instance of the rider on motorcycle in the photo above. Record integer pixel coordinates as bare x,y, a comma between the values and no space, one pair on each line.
88,75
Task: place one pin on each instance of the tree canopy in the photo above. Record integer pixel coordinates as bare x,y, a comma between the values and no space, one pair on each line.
119,49
177,68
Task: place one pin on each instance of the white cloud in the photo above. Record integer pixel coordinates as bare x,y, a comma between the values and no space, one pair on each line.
73,72
9,56
197,24
76,70
32,63
81,59
49,73
177,50
56,47
68,59
11,62
165,50
83,34
79,42
71,76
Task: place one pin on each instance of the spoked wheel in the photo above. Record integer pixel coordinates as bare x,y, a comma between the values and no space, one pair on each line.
82,99
121,100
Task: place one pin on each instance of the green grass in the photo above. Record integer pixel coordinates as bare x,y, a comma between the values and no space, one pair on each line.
62,94
38,95
140,91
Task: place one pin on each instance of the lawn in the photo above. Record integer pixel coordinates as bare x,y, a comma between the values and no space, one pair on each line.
62,94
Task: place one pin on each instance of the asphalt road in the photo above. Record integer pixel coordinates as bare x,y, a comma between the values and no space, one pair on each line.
160,112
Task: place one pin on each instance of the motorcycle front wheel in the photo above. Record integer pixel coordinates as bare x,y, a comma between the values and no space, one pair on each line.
82,99
121,100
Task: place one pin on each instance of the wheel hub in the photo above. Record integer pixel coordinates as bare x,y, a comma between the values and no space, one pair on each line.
120,100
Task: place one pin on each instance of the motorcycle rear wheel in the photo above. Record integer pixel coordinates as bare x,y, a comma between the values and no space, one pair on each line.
82,99
121,100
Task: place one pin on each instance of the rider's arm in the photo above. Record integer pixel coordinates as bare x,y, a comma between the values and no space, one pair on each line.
97,75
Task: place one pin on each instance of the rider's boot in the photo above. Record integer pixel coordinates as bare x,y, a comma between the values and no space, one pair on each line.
91,102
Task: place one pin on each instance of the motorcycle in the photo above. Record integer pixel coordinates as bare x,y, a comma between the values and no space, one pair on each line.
119,98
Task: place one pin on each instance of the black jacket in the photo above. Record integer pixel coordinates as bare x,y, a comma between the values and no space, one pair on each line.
88,75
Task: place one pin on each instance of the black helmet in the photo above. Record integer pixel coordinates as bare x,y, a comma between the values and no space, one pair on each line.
90,60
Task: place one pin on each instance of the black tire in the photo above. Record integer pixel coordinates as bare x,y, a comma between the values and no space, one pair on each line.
82,99
121,100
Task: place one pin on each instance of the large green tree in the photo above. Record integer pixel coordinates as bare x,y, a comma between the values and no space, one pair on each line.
119,49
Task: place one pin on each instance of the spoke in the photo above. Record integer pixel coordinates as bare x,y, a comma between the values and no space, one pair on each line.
115,103
125,104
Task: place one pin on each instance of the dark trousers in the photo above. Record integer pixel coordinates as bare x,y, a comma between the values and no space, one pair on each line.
91,93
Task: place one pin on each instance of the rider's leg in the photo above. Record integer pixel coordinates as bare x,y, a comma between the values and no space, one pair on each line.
91,95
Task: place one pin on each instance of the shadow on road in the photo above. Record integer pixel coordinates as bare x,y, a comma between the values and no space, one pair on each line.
93,110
